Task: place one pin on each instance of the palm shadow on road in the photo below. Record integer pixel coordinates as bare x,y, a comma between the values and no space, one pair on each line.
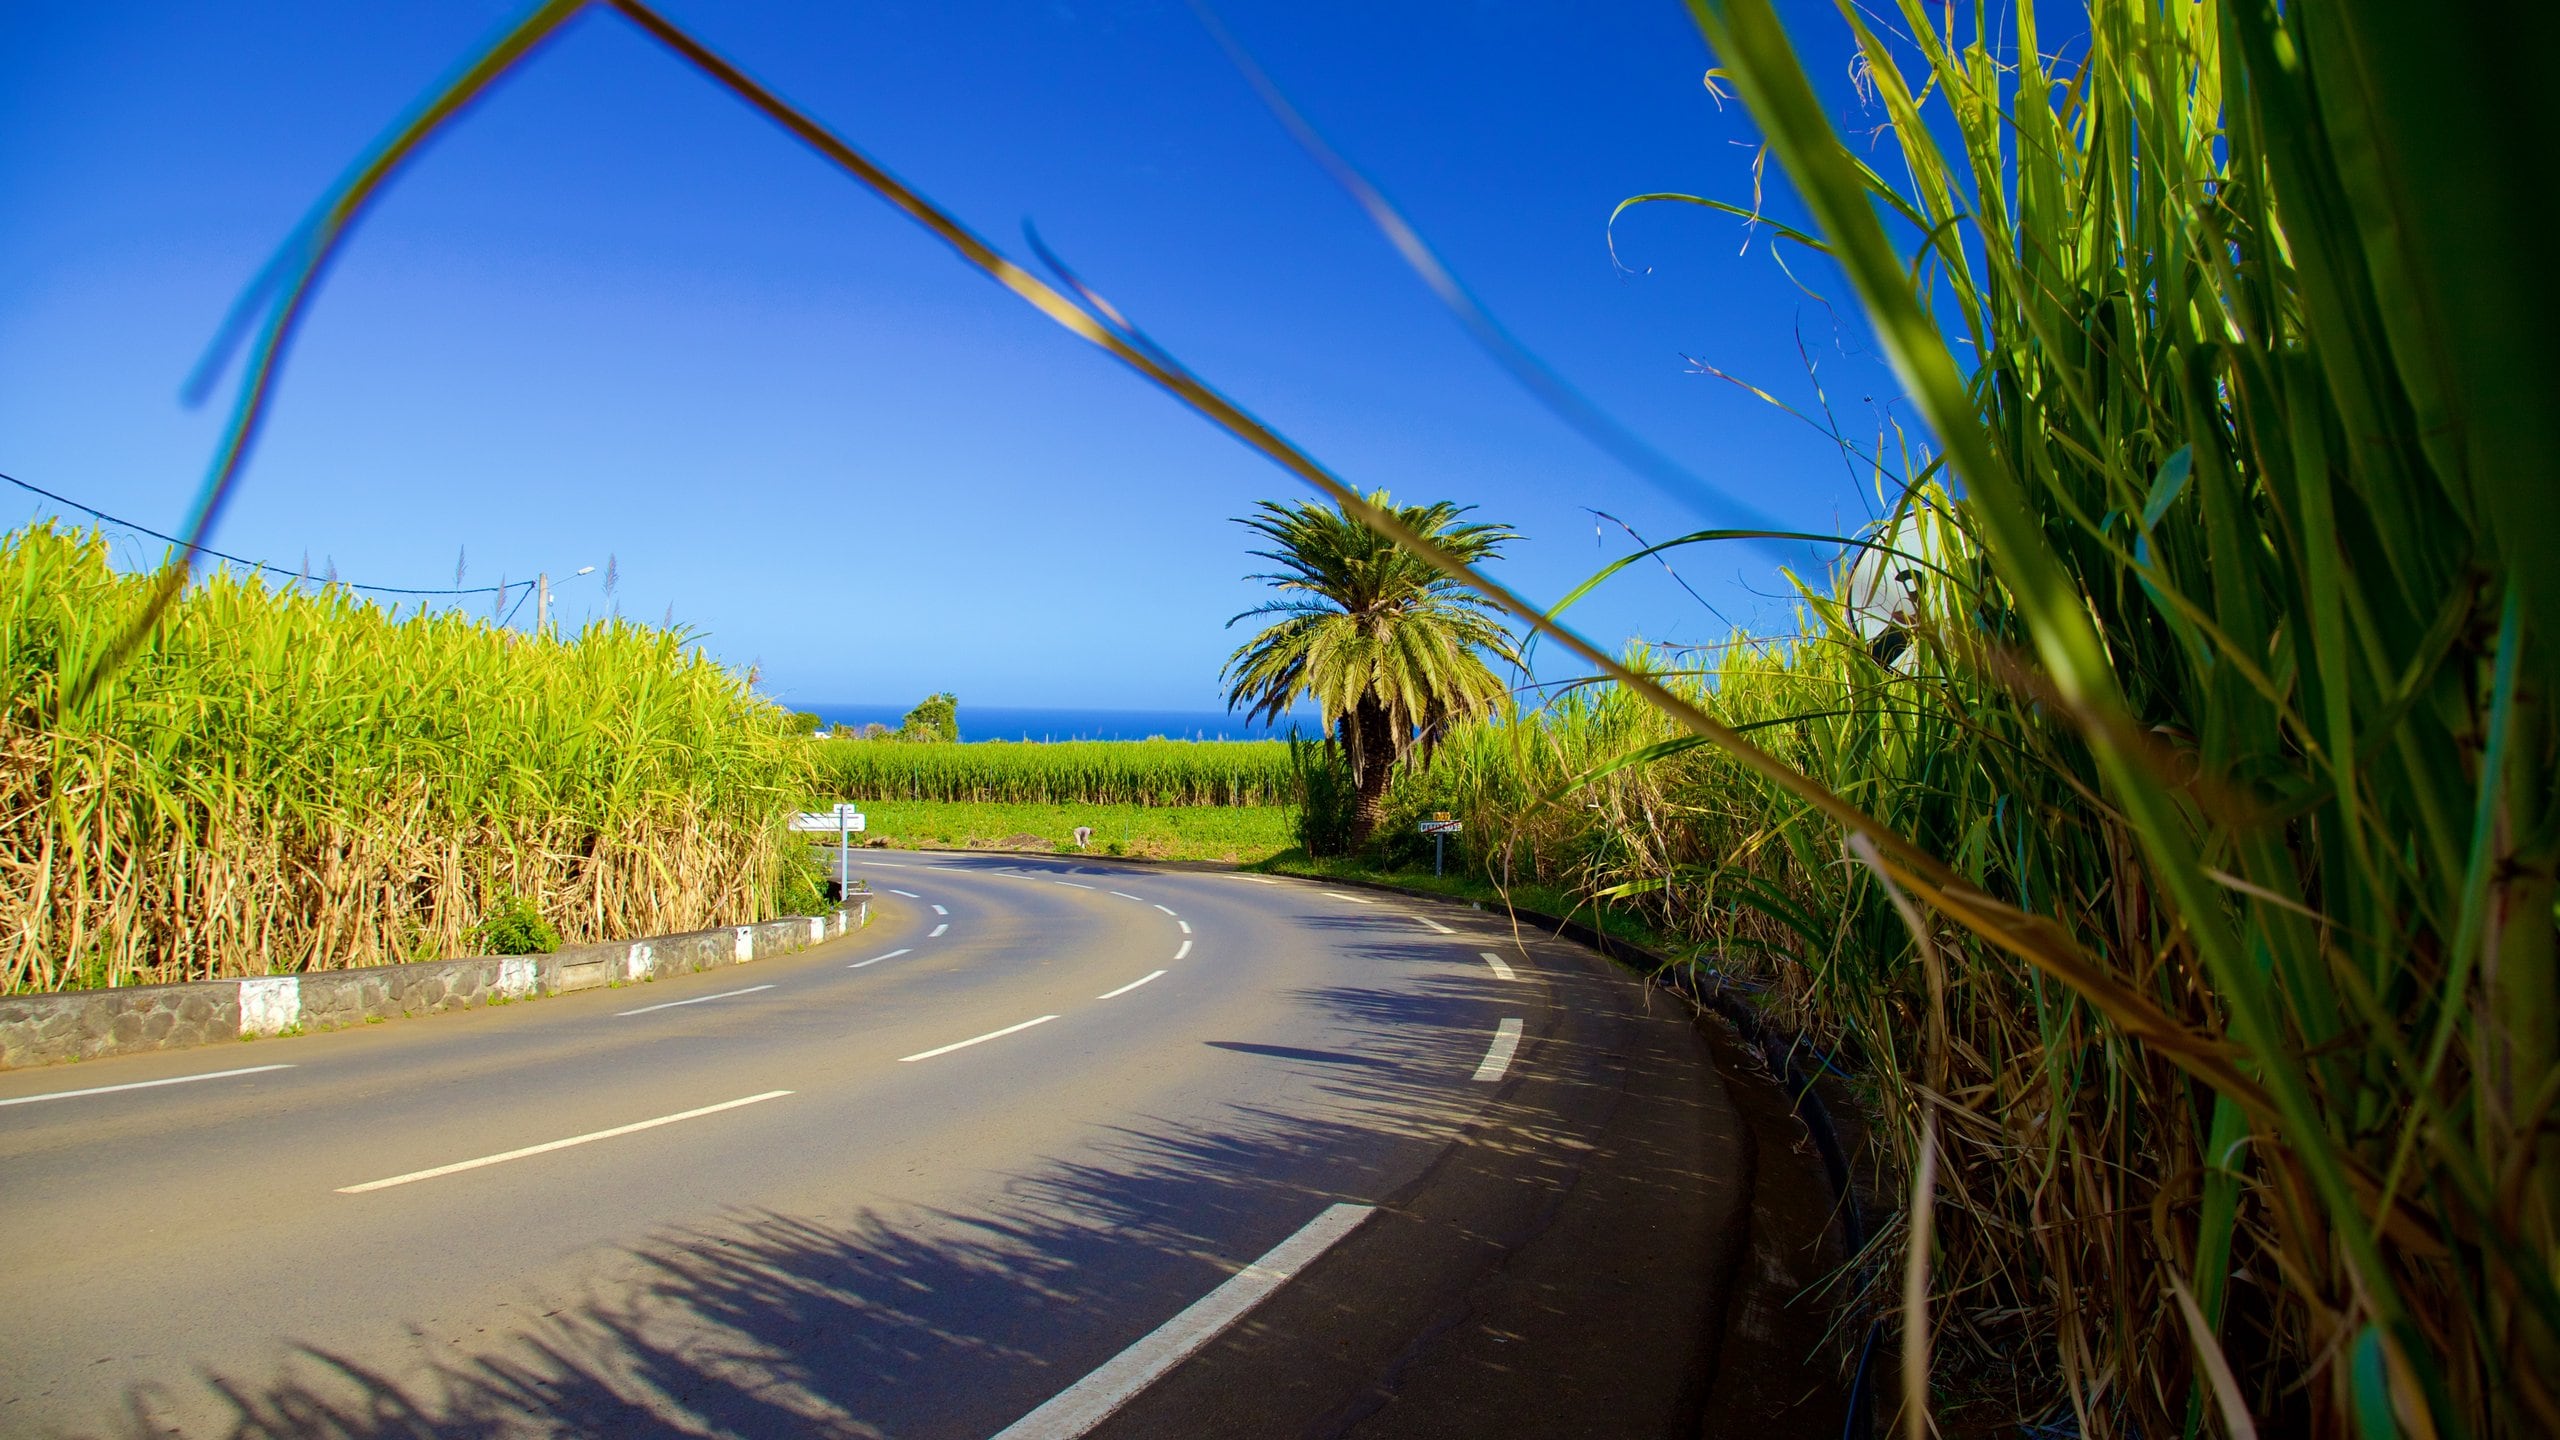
907,1322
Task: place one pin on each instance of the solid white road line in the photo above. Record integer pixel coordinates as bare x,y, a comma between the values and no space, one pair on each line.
938,910
910,894
1125,989
876,959
1500,970
1434,924
1185,950
976,1040
1125,895
1506,1039
1091,1400
696,1000
144,1084
1185,924
1354,899
938,929
545,1148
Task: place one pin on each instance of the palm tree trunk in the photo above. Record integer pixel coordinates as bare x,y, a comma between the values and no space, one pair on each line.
1372,751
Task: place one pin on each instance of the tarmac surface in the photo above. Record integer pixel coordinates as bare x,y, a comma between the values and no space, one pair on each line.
1052,1148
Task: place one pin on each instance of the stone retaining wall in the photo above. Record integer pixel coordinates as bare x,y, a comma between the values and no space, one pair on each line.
88,1024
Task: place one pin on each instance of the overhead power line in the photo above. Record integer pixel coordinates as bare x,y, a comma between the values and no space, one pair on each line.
296,575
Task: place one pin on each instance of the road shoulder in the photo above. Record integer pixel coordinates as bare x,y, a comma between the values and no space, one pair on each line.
1562,1269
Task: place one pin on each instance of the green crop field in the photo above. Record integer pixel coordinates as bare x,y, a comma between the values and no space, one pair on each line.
1130,772
284,780
1239,834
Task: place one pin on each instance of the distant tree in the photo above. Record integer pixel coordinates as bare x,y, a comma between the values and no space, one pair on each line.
877,731
936,717
1391,650
804,723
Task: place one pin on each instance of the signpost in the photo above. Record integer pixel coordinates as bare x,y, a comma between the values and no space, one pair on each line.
1440,827
846,821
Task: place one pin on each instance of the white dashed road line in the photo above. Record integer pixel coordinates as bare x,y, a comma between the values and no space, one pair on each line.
910,894
1185,924
1501,971
1132,985
1125,895
1160,907
975,1040
1434,924
1090,1401
938,929
876,959
696,1000
1354,899
1071,882
143,1084
501,1159
1506,1039
1185,950
938,910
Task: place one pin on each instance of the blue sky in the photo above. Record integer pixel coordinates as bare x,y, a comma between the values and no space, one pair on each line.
613,313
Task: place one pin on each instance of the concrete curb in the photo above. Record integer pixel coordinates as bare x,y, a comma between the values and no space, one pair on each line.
90,1024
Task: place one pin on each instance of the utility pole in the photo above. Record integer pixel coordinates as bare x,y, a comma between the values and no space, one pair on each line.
542,603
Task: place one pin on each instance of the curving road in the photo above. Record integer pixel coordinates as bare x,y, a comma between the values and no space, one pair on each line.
1052,1148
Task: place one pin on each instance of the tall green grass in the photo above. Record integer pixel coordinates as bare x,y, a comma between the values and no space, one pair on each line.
281,780
1116,772
2202,946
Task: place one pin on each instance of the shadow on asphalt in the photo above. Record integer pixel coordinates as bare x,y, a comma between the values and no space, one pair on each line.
917,1323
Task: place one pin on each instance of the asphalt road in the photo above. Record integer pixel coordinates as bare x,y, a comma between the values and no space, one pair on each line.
1064,1147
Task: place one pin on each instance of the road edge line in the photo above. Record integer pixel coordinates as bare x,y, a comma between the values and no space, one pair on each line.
1080,1407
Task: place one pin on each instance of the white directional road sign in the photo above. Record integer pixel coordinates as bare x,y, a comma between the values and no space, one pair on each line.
843,817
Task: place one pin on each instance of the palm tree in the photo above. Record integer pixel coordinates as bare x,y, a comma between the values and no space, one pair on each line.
1391,650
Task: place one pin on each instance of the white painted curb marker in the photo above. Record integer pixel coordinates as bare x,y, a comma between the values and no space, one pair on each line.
746,943
271,1005
1090,1401
518,975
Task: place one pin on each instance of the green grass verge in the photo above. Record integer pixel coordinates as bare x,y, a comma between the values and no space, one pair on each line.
1238,834
1467,885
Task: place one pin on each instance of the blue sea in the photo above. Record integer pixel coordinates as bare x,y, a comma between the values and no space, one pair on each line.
1031,722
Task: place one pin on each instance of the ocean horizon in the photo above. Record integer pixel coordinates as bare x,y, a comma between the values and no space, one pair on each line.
1046,722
